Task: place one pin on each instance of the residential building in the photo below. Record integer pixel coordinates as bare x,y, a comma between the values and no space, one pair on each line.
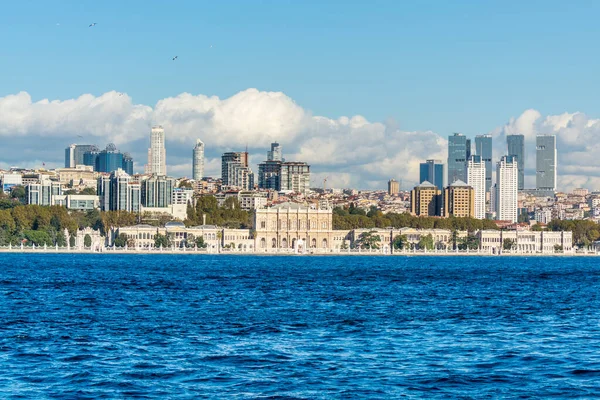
459,151
182,196
275,154
545,161
425,200
459,200
295,177
198,161
42,193
393,187
477,179
119,192
433,171
157,154
543,215
507,183
250,200
74,154
483,148
235,171
157,191
516,149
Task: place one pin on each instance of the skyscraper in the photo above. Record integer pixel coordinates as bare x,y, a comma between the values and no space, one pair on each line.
157,191
157,155
483,148
516,148
545,163
459,149
75,152
235,170
507,183
477,174
393,187
108,160
198,161
275,154
118,192
432,171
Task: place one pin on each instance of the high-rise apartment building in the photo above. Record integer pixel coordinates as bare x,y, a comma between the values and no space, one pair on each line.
483,148
118,192
507,186
74,154
157,191
393,187
459,200
198,161
545,163
477,179
425,200
157,155
432,171
459,151
235,170
275,154
516,149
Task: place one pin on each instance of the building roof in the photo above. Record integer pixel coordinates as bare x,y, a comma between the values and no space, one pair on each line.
458,182
426,184
174,224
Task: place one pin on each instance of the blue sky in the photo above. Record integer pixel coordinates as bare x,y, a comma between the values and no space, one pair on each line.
441,65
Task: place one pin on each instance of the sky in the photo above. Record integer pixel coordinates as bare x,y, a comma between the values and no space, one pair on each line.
363,91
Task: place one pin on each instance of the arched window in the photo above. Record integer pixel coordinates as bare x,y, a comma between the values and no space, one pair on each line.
263,243
274,243
324,243
284,243
313,243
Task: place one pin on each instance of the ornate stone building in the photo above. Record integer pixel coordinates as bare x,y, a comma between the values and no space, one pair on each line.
296,226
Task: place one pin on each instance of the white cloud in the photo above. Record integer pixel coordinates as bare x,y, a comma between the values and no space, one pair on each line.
350,151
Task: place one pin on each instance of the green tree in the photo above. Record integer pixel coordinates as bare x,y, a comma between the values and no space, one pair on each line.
200,242
61,240
400,242
368,240
426,242
469,242
508,244
558,248
121,240
87,240
18,192
88,191
72,241
39,238
161,241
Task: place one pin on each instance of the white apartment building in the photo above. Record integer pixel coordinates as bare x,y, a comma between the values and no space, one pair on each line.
157,155
476,179
507,184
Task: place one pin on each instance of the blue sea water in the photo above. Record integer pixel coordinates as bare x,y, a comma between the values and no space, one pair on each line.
161,326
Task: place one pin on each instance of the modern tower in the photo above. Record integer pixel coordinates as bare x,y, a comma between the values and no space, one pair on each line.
393,187
477,179
235,170
74,154
198,161
483,148
507,183
157,155
545,163
275,154
432,171
516,148
459,150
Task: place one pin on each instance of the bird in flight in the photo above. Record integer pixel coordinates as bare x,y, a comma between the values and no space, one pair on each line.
92,24
79,136
174,58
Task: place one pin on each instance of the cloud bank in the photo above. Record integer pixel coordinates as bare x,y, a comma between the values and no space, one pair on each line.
348,151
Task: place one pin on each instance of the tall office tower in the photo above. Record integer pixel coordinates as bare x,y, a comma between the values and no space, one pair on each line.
432,171
516,148
393,187
425,200
235,170
477,179
459,200
118,192
459,149
74,154
198,161
507,186
108,160
275,154
128,163
483,148
545,162
157,155
157,191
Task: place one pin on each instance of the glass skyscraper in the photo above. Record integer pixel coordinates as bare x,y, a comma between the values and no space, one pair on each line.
109,160
459,151
483,148
432,171
516,148
545,162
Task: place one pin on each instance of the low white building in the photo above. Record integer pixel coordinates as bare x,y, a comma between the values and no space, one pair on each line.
524,242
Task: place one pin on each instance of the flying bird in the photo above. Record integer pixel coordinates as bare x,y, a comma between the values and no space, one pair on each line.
92,24
79,136
174,58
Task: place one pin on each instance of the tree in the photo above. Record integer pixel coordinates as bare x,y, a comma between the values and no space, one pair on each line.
558,248
200,242
87,240
184,183
400,242
88,191
368,240
121,240
469,242
39,238
426,242
61,240
508,244
161,241
18,192
72,241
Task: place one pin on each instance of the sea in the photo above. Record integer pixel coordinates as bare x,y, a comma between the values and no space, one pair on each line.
298,327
